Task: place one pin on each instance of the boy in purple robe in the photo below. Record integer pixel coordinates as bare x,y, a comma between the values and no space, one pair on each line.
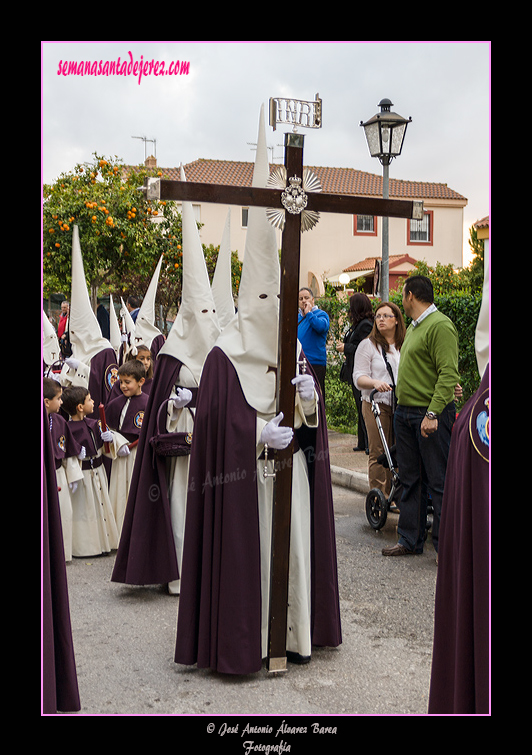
94,528
124,415
67,454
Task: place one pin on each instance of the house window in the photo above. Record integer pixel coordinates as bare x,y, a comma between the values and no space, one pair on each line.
196,208
245,217
365,225
421,231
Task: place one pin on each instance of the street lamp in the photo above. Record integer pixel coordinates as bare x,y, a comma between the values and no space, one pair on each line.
344,279
385,134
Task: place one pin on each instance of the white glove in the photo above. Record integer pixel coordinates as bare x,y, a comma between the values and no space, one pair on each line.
107,436
123,450
73,363
82,454
73,486
184,396
275,436
304,386
123,338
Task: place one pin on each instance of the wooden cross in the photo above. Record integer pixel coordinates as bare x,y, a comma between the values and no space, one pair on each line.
286,368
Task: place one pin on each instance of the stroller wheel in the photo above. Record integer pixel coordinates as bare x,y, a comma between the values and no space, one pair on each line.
376,508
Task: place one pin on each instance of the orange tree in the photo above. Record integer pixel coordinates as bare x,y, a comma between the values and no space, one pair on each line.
122,235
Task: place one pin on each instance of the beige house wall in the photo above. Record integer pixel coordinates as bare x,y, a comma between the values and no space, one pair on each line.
331,245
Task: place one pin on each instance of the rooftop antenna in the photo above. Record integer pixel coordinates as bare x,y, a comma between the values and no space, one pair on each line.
254,145
145,139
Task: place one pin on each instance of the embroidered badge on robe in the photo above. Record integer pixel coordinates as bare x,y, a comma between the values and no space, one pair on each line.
111,376
479,425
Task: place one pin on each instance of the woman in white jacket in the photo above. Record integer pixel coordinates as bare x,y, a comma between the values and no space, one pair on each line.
375,368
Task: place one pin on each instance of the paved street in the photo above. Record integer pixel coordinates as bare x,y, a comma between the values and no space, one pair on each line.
124,643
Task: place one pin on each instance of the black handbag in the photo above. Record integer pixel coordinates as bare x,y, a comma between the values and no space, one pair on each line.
171,444
345,374
389,368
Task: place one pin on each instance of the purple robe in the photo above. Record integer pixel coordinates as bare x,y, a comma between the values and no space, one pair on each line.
59,678
146,553
219,620
87,433
156,346
103,375
135,413
64,444
461,659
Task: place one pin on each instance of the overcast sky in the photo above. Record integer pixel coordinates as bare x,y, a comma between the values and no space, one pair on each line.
213,111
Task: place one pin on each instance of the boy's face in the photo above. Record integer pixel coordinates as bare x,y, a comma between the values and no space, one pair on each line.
88,405
129,386
53,404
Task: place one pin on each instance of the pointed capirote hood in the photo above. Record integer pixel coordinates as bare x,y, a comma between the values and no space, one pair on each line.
50,343
127,321
114,327
250,340
85,334
482,331
222,290
196,326
145,328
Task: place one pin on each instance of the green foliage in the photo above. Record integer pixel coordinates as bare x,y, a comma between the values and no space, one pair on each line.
339,402
211,256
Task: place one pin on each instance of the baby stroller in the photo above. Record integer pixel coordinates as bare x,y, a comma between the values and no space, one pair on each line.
377,505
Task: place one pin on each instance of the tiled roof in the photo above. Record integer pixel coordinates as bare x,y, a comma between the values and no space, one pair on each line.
333,180
369,263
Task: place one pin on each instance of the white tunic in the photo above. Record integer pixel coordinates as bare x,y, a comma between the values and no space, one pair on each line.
94,529
298,638
181,420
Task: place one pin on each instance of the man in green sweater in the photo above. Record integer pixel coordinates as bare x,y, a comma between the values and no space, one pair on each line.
425,414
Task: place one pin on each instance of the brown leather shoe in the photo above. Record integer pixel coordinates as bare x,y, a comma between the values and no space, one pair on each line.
397,550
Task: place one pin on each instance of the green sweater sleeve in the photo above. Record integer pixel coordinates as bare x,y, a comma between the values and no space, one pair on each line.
428,367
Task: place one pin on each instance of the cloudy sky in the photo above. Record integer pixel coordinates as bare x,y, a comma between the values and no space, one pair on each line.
213,111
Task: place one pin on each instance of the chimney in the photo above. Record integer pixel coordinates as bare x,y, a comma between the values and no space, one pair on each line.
150,162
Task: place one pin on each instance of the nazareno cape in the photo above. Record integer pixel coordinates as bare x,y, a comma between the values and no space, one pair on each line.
146,553
59,678
219,620
461,646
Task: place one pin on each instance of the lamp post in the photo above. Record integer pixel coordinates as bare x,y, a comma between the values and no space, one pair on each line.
385,133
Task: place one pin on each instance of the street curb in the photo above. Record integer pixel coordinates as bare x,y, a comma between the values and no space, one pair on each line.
348,479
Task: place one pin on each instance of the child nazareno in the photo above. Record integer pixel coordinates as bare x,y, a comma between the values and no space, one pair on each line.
67,453
94,529
124,415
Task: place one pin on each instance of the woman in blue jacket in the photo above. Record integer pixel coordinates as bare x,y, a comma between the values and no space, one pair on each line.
312,331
